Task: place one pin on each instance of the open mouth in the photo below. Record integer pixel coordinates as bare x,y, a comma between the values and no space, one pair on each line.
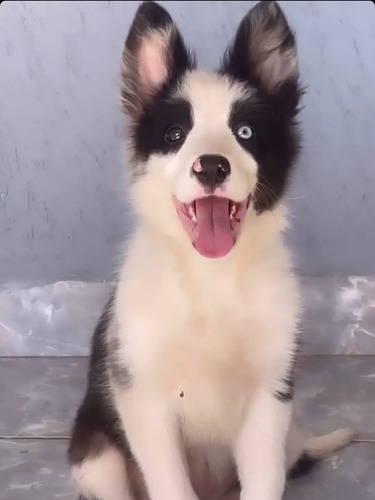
212,223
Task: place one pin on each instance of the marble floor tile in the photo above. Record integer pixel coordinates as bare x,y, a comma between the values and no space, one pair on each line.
337,391
37,470
332,391
347,475
40,395
338,316
34,470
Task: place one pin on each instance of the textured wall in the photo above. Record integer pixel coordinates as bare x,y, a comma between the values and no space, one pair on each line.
61,210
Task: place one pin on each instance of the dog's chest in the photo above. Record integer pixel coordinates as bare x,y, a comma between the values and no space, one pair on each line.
209,364
205,352
207,374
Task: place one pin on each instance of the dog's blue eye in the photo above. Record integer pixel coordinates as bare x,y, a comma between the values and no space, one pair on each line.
174,135
245,132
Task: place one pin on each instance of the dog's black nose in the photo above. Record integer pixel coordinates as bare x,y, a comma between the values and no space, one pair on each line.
211,170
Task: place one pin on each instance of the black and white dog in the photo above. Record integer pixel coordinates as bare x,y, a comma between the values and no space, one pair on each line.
191,378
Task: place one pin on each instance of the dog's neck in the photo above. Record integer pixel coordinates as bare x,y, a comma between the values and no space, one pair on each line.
260,244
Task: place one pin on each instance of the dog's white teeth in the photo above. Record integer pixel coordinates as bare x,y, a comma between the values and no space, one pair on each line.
192,214
233,211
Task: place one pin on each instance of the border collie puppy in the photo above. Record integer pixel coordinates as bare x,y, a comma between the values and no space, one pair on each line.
191,377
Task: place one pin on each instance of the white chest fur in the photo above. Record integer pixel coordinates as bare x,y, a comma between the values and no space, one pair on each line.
204,337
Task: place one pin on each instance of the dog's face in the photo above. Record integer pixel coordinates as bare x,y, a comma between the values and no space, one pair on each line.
208,148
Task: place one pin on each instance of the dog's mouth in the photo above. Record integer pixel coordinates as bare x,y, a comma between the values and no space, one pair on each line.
212,223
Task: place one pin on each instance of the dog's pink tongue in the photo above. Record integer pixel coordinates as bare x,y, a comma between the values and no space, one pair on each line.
214,236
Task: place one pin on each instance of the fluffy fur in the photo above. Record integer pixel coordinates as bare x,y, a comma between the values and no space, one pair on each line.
192,368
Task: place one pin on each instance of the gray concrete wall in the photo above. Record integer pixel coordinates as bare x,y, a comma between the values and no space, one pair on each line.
62,214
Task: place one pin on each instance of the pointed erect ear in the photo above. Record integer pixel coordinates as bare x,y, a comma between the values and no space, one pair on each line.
154,56
264,50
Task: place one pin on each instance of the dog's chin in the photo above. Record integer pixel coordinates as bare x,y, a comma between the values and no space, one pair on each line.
212,223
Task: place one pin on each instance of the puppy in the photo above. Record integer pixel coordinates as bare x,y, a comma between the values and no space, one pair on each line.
191,377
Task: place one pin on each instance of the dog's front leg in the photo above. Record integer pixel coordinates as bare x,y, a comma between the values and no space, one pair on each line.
260,448
154,440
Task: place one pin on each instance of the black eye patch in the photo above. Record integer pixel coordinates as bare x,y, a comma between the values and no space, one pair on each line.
262,120
274,145
156,120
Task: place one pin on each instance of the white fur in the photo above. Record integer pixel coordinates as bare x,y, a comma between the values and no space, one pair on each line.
260,447
211,97
152,435
323,446
207,342
216,331
102,477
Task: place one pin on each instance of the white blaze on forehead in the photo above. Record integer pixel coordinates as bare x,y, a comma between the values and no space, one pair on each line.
211,96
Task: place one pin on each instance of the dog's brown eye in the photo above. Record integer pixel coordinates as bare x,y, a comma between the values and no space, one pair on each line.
174,135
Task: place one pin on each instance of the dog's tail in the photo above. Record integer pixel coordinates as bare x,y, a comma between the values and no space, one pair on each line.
316,448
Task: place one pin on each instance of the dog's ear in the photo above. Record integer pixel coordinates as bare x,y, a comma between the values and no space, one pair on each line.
264,49
154,56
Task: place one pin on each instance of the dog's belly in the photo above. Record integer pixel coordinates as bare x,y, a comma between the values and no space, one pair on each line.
209,412
212,469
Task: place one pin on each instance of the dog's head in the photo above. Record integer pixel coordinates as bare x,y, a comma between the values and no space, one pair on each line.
208,148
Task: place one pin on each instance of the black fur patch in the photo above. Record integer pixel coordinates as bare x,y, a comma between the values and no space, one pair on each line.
151,16
149,132
274,145
119,371
303,466
263,26
97,424
152,114
288,393
271,108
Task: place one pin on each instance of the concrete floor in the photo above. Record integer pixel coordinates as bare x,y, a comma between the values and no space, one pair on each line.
39,397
